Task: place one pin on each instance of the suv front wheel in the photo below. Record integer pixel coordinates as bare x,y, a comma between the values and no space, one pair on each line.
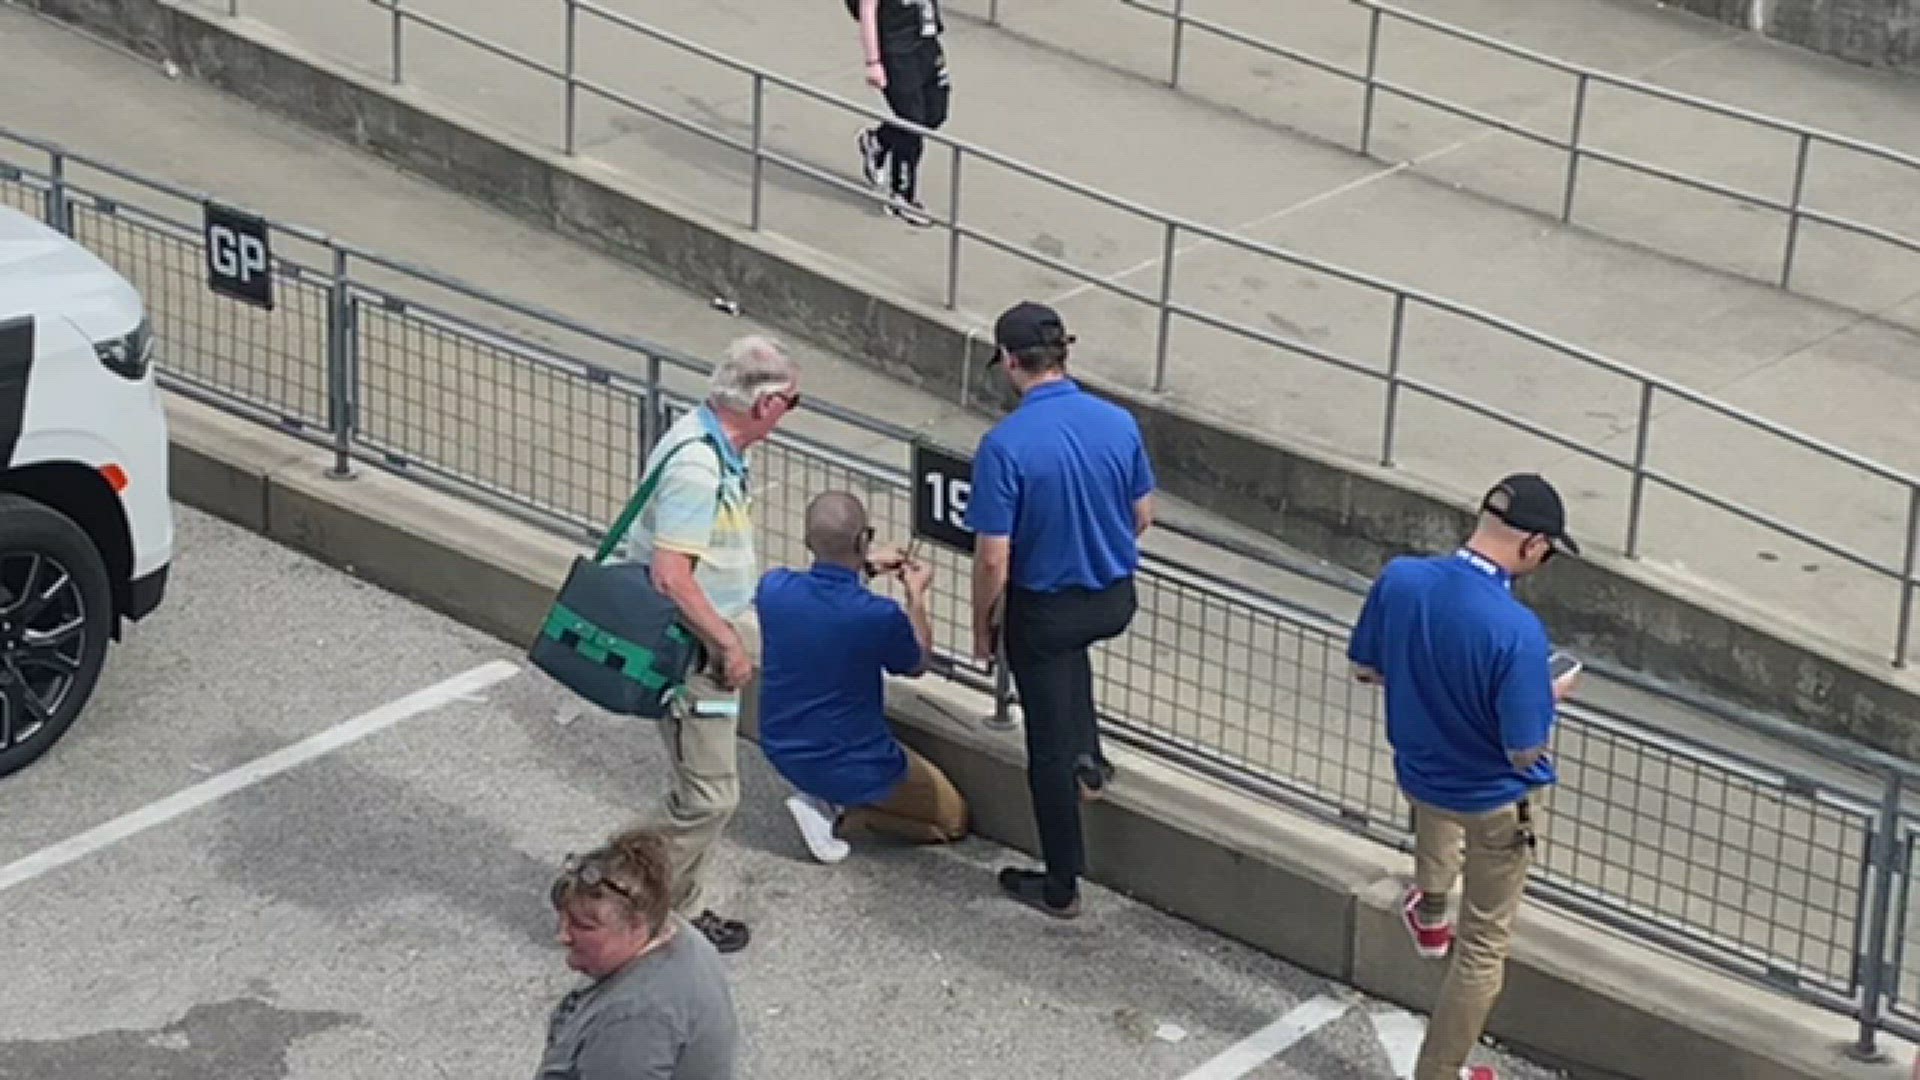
56,616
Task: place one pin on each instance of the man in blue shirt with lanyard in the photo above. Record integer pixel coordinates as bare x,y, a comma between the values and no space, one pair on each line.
1470,709
1062,491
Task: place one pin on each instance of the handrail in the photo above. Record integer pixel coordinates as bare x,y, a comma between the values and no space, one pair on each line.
1173,226
1626,82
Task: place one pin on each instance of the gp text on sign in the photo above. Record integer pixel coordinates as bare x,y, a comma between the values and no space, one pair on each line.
942,484
239,260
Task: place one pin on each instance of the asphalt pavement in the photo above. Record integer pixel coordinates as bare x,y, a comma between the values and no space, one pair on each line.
306,826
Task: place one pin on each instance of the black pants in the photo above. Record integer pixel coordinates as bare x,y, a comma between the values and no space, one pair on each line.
1048,637
918,90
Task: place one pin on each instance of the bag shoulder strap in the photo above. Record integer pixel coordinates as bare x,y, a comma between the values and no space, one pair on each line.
639,500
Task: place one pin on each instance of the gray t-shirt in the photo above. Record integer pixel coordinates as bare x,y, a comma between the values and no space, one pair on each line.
668,1016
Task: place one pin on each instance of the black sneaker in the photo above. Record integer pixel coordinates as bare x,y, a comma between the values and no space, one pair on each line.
727,935
1030,887
873,158
909,211
1093,776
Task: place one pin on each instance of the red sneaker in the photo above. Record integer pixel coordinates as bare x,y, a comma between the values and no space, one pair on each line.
1431,941
1478,1072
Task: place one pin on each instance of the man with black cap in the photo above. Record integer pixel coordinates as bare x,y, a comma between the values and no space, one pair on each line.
1062,491
1470,709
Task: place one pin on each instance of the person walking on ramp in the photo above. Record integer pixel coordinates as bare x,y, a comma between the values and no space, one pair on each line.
904,61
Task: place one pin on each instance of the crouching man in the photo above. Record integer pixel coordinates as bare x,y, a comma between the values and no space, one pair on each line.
827,643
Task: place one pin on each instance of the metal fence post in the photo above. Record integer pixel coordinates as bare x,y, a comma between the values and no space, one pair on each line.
57,208
1793,212
1873,966
993,12
399,23
1642,435
1373,62
1179,35
1002,719
1907,584
1393,378
573,39
1573,146
953,230
340,375
1166,308
759,159
233,9
650,414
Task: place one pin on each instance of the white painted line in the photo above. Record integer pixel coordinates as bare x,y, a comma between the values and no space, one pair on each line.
180,802
1253,1051
1401,1034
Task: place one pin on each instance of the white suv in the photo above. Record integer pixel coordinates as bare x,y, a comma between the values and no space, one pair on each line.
86,525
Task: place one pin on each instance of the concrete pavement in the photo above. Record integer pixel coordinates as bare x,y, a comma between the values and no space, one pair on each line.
1275,164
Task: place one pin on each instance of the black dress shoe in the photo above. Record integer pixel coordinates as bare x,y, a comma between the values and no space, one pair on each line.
1032,888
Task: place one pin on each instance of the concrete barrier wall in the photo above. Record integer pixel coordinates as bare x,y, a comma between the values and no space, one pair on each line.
1318,896
1880,33
1348,511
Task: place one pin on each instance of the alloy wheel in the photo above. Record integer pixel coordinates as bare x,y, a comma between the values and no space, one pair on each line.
43,639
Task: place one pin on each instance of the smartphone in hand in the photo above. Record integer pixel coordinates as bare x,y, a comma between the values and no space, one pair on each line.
1561,664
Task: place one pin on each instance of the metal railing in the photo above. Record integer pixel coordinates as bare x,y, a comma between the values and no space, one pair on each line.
1654,394
1373,84
1789,881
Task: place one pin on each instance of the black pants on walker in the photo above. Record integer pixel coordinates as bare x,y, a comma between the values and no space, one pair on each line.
1048,638
918,90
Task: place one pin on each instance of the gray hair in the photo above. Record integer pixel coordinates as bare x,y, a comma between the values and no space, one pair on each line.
755,366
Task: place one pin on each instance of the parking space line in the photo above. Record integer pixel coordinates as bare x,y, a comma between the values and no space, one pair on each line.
180,802
1253,1051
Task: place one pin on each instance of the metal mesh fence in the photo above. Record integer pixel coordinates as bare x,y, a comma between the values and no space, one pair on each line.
1742,861
273,360
1748,866
489,413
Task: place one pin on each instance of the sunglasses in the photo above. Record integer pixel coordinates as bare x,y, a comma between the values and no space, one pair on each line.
588,873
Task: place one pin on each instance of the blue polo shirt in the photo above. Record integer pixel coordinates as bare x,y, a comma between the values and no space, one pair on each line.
1467,679
825,640
1060,475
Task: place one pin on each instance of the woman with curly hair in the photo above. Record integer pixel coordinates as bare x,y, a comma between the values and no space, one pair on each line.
656,1005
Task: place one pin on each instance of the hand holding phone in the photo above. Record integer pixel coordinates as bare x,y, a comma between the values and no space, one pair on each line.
1564,669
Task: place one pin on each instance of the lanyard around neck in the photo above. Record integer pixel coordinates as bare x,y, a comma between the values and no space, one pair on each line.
1485,565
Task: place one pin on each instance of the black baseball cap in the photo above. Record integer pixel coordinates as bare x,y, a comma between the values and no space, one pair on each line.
1026,325
1528,503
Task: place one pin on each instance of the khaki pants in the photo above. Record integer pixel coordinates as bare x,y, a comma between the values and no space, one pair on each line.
924,808
706,776
1496,848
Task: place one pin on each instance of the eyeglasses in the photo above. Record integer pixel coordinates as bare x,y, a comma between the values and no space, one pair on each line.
589,873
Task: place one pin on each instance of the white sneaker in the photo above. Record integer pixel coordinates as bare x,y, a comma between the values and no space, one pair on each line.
815,818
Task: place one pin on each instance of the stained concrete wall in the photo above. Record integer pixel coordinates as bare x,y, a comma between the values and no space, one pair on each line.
1345,510
1881,33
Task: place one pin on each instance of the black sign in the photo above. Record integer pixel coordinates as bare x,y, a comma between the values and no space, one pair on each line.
942,484
239,262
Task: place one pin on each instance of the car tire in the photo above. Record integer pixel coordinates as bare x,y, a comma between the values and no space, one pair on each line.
56,617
